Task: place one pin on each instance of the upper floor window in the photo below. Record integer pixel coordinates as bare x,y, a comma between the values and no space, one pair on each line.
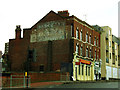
71,29
86,37
77,33
109,43
115,46
110,55
95,54
98,55
86,52
81,34
90,39
109,32
81,49
77,49
95,41
90,53
116,57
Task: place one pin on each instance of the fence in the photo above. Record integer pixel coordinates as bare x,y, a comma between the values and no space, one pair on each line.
16,81
65,77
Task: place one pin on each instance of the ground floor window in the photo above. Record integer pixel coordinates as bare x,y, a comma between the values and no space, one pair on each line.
79,69
88,71
82,69
41,68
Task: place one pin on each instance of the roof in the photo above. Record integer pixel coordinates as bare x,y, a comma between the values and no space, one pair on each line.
64,18
97,28
45,16
81,21
115,39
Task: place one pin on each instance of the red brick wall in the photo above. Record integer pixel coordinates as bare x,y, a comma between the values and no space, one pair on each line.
35,77
93,35
18,48
18,52
60,53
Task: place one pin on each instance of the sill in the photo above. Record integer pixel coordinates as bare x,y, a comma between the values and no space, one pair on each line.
41,71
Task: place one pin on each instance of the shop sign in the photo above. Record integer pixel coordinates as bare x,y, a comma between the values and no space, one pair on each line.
85,62
77,63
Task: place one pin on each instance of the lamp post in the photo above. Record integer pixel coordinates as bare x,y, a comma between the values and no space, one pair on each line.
28,59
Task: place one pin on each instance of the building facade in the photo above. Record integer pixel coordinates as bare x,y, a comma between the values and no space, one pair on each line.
109,54
59,43
5,62
6,48
87,48
0,54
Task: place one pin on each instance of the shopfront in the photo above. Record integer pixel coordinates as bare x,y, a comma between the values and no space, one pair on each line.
83,70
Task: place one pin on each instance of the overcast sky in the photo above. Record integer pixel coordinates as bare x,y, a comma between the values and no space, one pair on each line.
27,12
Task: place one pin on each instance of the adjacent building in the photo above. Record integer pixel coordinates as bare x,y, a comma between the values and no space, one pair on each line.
6,48
0,54
56,43
5,62
0,61
109,53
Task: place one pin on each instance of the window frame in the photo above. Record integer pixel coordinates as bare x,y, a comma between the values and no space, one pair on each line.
86,52
81,35
95,41
81,50
90,39
77,33
77,49
89,71
79,69
86,70
82,69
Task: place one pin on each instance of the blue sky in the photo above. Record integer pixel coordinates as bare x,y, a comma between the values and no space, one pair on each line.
27,12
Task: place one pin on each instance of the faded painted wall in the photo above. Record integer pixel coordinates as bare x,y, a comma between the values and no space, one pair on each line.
53,30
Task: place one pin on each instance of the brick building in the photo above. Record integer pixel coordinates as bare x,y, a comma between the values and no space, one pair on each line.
51,44
0,54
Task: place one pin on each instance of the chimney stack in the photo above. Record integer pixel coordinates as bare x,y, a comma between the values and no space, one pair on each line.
18,32
64,13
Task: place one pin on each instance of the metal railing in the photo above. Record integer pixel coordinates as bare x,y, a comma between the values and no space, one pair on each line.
16,81
64,77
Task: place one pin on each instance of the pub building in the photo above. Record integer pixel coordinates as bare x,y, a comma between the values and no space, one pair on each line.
56,43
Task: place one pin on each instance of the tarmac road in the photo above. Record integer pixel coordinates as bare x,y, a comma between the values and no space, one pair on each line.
97,85
112,85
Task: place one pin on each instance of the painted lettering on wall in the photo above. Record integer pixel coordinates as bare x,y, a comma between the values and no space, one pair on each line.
53,30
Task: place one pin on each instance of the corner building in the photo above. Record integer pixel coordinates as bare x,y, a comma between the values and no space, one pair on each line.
60,43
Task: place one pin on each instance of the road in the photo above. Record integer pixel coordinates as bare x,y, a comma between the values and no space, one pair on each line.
88,85
80,86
